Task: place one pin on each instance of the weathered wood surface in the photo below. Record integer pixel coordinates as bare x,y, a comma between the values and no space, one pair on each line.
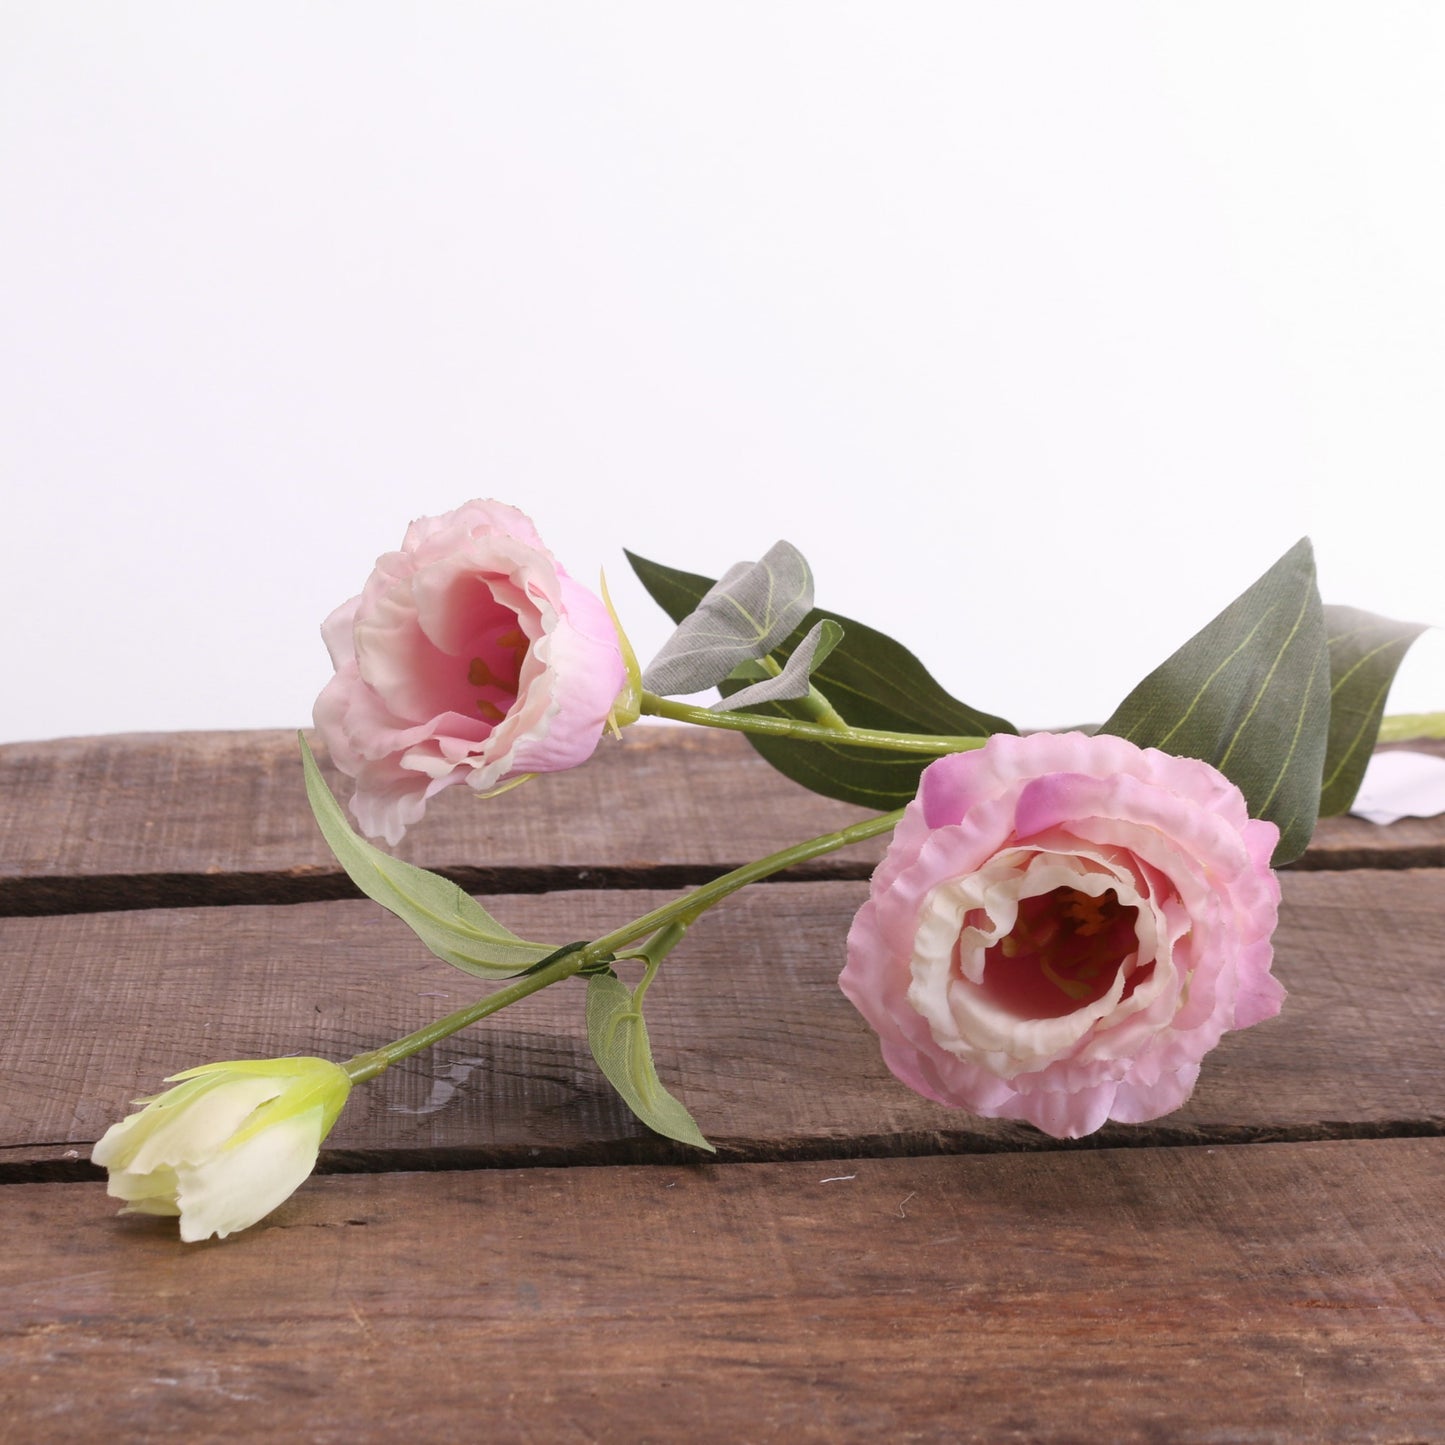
81,827
747,1023
1291,1291
1279,1278
158,820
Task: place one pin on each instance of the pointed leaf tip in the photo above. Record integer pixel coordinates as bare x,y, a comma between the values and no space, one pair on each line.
618,1038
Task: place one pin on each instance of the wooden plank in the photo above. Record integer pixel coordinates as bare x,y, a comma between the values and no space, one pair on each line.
147,820
1280,1292
746,1020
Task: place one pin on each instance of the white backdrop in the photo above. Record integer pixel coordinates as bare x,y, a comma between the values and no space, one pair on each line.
1041,328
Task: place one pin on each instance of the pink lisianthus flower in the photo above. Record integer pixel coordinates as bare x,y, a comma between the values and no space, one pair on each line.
469,657
1062,927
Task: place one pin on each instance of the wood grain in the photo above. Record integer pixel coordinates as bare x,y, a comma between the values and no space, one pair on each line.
163,820
747,1022
218,818
1268,1292
858,1264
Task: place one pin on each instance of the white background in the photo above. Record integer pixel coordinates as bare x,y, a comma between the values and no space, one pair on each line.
1042,329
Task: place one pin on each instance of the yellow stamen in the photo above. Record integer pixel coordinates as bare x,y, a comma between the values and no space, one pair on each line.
1071,986
1087,911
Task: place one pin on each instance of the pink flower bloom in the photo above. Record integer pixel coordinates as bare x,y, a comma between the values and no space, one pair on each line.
1062,927
470,656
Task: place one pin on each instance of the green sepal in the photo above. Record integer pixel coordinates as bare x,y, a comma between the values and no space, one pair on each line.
451,923
1250,694
873,681
618,1037
1365,653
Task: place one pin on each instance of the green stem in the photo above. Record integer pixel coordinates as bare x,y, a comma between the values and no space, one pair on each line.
663,929
815,704
690,906
1408,726
652,953
368,1065
930,744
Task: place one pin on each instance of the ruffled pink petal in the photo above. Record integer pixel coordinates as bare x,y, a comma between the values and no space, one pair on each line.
1060,1113
425,657
1136,1102
1177,835
336,633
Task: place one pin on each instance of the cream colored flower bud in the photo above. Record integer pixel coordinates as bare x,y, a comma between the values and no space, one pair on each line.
228,1144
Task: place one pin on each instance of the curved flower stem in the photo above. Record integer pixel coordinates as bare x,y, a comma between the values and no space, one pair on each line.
368,1065
662,929
929,744
1409,726
692,905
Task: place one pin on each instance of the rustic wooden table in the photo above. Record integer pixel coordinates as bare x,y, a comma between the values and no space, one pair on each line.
494,1249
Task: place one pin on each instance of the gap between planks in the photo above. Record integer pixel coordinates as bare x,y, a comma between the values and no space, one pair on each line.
220,819
125,892
65,1163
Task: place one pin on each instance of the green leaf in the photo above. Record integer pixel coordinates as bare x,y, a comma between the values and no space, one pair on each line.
744,616
618,1036
1365,653
873,681
796,677
449,922
1249,693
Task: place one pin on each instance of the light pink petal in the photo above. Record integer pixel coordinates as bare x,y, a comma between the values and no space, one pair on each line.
336,633
1137,1103
1060,1113
1176,835
469,656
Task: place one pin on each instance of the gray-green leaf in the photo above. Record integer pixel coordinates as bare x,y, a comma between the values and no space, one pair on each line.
873,681
796,677
743,616
618,1037
1249,693
449,922
1365,653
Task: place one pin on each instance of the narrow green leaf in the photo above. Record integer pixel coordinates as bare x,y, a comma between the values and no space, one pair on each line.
796,677
449,922
618,1036
873,681
1365,653
1249,693
744,616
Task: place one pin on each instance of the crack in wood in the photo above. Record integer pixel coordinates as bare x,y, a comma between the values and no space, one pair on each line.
31,897
655,1150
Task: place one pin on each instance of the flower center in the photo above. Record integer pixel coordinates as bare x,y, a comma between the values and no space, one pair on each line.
495,672
1064,952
